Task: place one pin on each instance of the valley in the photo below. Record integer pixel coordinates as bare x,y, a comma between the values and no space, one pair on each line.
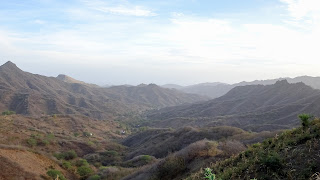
61,127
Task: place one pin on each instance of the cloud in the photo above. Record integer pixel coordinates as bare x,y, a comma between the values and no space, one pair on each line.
107,34
120,9
300,9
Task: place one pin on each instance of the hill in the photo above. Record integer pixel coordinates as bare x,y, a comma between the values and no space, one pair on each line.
69,79
30,147
160,142
22,164
252,107
154,96
216,89
186,150
35,95
292,155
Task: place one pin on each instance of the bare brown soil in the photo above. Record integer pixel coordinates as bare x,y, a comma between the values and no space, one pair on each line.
18,164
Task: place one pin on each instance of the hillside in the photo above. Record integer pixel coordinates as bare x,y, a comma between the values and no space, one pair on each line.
185,151
160,142
292,155
35,95
69,79
154,96
216,89
17,163
253,107
30,147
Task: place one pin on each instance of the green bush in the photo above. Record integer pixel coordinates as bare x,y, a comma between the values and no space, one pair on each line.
45,142
209,175
110,153
67,165
55,173
69,155
8,113
146,158
82,162
84,171
32,142
94,177
272,161
304,118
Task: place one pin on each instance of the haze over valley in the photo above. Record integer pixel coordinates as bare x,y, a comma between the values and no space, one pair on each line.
159,90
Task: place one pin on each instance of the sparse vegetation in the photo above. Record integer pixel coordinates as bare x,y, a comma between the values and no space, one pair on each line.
69,155
67,165
276,158
32,142
55,174
8,113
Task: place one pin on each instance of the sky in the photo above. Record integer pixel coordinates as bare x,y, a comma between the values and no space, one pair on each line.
164,41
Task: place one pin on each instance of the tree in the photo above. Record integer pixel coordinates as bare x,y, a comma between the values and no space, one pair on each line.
304,118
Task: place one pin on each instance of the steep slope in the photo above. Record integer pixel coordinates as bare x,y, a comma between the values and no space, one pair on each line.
22,164
292,155
187,150
35,95
246,107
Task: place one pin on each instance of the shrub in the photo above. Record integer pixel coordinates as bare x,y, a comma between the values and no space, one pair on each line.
304,118
209,175
146,158
84,171
50,137
67,165
32,142
45,142
94,177
110,153
8,113
171,167
66,155
82,162
55,173
272,161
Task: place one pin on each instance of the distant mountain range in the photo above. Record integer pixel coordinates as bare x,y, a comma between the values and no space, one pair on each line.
251,107
217,89
36,95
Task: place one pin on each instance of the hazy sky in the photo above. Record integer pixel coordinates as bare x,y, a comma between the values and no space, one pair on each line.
162,41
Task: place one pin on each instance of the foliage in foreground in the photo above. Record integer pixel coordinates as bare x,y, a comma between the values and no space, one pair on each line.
292,155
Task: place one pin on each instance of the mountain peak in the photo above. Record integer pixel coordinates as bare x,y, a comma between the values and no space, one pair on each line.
62,76
9,66
282,82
